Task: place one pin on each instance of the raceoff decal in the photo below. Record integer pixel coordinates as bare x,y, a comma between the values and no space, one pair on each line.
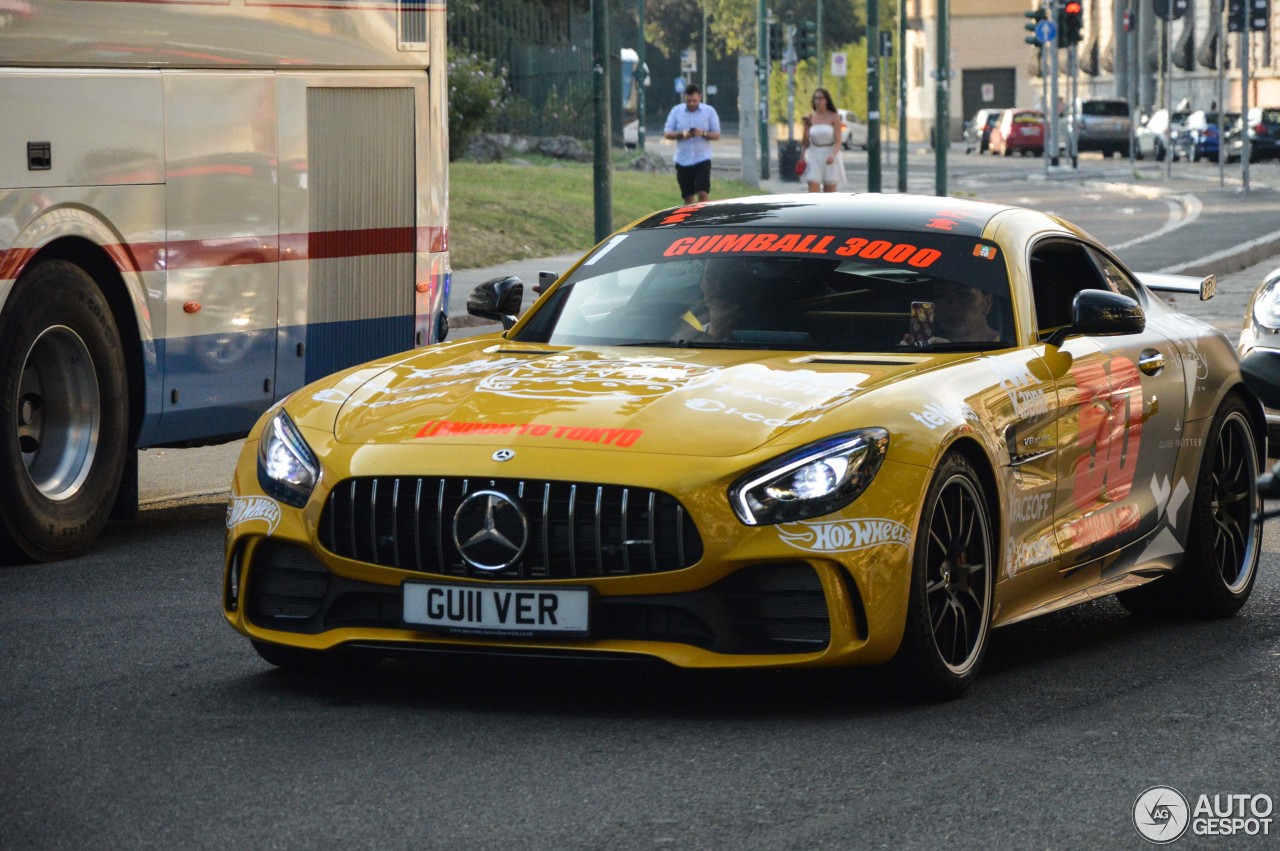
622,379
247,509
608,436
844,536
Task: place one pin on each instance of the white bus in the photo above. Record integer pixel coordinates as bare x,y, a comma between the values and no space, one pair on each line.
204,204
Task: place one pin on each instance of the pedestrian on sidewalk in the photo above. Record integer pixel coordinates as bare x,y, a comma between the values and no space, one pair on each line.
823,132
693,125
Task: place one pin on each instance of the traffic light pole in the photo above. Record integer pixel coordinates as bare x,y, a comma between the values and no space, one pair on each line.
873,96
762,81
942,102
1052,47
1168,99
902,96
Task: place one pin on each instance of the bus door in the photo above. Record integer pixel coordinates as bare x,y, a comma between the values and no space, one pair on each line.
222,248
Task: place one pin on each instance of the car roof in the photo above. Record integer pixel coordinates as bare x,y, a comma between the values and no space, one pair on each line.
847,210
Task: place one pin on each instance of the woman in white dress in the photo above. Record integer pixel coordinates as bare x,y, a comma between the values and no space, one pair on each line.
823,130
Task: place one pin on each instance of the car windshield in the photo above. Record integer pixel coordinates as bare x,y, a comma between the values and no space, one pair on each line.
1110,108
804,289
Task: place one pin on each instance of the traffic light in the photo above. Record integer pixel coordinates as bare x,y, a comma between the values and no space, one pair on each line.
776,46
807,40
1030,26
1072,23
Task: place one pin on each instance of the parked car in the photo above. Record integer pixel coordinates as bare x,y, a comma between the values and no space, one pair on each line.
800,432
1101,125
977,130
1198,139
1019,130
855,130
1260,344
1149,138
1264,136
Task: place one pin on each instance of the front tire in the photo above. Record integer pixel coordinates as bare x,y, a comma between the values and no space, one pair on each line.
952,586
1224,542
63,395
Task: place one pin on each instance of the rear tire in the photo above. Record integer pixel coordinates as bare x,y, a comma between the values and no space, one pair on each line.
952,586
63,398
1224,543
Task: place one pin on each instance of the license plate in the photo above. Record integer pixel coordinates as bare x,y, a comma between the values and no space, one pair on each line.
1030,131
497,609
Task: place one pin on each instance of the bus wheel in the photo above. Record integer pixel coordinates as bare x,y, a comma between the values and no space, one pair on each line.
63,405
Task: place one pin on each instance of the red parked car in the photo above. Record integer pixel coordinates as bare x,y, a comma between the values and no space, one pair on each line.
1021,130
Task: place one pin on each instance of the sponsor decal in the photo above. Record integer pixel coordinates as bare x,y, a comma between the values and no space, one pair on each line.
1027,509
844,536
1018,384
806,243
1168,499
715,406
247,509
1102,525
936,414
1162,814
622,437
986,252
1024,555
622,379
1110,433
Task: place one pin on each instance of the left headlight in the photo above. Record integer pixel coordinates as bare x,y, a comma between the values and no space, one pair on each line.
1266,304
287,468
818,479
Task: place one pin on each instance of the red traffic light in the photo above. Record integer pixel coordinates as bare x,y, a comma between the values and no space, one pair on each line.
1073,8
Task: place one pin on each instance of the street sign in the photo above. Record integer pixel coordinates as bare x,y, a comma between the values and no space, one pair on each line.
839,64
689,59
1170,10
681,82
1045,32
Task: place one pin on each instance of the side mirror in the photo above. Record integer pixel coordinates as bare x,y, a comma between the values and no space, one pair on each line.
1101,313
545,279
497,298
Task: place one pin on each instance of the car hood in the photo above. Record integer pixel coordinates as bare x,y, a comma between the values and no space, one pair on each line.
692,402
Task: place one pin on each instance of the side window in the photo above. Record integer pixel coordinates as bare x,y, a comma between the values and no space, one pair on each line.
1059,270
1117,280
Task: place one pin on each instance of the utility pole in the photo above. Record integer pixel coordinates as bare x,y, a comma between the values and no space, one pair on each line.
641,76
1052,46
762,80
902,95
873,96
942,99
818,58
601,166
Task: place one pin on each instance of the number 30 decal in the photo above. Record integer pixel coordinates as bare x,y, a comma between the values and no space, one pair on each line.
1110,430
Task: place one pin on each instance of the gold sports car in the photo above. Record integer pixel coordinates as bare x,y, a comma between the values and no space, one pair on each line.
777,431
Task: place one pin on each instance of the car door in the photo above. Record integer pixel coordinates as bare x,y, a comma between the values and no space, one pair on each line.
1121,401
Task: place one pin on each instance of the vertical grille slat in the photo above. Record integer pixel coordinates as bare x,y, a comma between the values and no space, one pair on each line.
565,539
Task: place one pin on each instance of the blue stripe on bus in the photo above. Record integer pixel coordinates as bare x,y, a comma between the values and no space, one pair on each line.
225,381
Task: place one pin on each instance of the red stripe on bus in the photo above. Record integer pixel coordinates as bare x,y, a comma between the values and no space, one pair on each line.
248,250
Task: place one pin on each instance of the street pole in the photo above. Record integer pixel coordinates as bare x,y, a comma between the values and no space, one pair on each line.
1222,94
1244,107
602,172
1135,47
1168,95
818,46
902,95
642,76
1044,101
704,50
942,102
873,96
762,80
1073,70
1052,46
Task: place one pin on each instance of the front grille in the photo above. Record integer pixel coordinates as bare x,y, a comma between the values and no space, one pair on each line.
575,529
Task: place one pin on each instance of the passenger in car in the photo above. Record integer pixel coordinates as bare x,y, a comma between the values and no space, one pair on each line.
735,299
961,315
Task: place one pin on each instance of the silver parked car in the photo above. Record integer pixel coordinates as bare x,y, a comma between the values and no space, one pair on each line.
1102,125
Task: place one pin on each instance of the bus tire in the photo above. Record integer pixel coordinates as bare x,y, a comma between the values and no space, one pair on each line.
63,402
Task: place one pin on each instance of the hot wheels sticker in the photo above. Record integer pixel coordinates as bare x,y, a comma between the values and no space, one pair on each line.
844,536
248,509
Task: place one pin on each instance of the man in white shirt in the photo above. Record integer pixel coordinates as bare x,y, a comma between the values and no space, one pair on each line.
694,125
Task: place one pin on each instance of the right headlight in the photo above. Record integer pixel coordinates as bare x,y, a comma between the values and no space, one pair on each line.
287,468
812,481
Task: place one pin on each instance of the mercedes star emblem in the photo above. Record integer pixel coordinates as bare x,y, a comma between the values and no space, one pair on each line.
490,530
504,455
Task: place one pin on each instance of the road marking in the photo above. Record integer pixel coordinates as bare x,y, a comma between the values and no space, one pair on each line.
1270,239
1188,206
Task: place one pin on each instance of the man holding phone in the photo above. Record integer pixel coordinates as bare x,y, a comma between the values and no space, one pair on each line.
693,125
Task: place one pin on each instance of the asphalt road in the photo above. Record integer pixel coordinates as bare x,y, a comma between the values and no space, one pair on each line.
135,718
